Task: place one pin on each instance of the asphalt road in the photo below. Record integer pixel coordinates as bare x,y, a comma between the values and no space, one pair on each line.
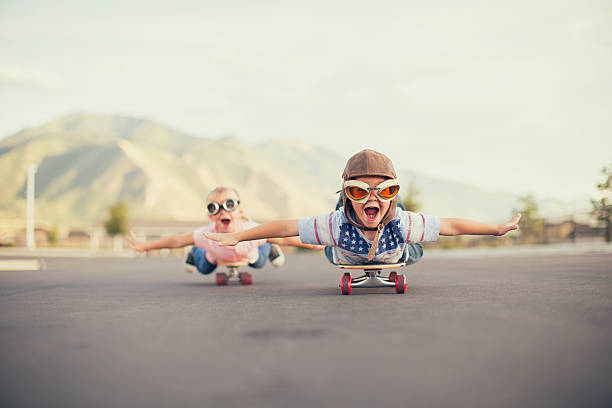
491,332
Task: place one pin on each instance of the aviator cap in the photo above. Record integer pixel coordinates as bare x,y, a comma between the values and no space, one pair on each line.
368,163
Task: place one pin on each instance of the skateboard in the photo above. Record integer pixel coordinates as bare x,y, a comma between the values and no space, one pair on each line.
372,278
223,278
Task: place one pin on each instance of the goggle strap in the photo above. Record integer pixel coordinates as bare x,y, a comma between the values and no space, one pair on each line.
372,251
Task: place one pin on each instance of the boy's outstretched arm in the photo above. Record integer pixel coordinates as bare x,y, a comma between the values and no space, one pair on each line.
458,226
273,229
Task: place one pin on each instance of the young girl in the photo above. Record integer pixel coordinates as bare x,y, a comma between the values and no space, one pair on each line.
227,216
368,228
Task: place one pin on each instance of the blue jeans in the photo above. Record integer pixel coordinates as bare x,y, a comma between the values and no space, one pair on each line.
205,267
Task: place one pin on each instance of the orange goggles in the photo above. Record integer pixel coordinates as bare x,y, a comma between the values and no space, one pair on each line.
359,192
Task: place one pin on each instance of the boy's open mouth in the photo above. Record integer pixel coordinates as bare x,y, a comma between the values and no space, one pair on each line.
371,213
226,221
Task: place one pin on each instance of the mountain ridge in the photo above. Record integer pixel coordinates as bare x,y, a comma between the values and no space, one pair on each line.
88,162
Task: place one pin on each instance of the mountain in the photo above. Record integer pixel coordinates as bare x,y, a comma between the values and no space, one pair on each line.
88,162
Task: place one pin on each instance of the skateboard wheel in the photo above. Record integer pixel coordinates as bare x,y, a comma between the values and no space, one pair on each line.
393,276
400,283
345,284
221,279
245,278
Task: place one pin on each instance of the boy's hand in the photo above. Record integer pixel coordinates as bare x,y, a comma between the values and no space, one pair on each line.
135,244
511,225
226,239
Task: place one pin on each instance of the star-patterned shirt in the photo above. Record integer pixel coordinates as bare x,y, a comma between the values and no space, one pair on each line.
349,244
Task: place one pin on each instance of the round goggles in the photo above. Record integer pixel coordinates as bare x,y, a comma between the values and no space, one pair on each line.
228,205
359,192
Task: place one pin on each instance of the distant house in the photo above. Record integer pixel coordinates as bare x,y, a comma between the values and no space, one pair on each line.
151,229
570,230
41,237
148,230
77,238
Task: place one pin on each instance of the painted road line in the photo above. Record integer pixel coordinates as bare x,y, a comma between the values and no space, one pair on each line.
21,265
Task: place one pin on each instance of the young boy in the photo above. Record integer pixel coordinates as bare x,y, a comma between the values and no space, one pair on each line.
368,228
227,216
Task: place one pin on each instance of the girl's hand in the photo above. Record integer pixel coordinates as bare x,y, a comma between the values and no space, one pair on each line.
511,225
135,244
226,239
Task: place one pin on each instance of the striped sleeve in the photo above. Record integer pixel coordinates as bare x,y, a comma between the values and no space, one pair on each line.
319,230
417,227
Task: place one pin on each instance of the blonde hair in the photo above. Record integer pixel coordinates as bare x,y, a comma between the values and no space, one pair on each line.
222,189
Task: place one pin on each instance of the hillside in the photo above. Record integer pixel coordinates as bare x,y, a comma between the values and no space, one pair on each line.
88,162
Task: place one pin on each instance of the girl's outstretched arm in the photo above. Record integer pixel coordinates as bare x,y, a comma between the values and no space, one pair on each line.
174,241
273,229
458,226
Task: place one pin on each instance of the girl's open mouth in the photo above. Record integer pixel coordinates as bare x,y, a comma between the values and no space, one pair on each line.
226,221
371,213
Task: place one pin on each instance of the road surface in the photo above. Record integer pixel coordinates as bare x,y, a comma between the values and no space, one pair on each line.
532,331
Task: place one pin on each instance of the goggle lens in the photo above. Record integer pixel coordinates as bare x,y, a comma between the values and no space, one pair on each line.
213,208
229,205
356,193
389,192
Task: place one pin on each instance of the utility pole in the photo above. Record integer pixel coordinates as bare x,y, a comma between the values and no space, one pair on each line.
30,241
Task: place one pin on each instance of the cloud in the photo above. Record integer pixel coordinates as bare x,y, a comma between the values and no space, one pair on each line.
21,77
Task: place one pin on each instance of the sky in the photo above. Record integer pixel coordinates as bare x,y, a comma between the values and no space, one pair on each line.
508,96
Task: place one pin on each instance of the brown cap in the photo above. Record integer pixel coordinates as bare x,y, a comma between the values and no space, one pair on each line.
367,163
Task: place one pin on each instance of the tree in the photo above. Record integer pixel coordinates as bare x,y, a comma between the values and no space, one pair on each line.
117,221
410,201
532,225
53,235
602,208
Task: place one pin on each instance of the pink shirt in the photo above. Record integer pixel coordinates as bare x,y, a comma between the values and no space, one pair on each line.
245,251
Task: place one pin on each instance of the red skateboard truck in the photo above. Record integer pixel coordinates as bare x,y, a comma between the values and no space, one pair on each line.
223,278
